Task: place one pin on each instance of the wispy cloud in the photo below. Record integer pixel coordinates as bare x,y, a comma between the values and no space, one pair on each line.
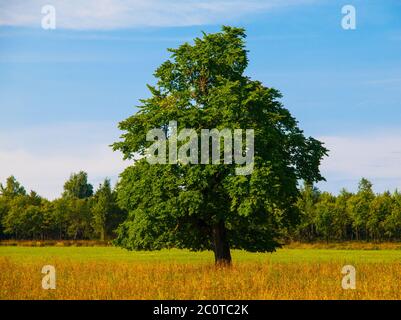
42,158
114,14
376,156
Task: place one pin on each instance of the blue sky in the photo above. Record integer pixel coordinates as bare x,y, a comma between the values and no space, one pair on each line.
63,91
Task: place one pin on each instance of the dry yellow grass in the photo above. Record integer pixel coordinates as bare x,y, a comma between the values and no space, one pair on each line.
169,280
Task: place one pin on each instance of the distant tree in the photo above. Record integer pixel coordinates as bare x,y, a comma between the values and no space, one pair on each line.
359,206
106,213
4,208
392,222
12,221
59,213
24,217
49,220
342,219
78,187
102,206
306,228
324,219
207,206
12,188
380,207
79,219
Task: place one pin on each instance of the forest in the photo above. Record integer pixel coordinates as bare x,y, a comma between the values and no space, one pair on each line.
82,213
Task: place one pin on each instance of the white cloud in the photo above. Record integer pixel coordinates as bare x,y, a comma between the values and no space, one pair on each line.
112,14
376,156
42,158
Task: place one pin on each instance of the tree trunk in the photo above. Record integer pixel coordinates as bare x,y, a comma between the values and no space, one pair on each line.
222,255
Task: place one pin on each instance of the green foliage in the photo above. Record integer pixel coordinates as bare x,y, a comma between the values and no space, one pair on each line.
73,216
348,216
12,188
306,229
201,207
392,222
105,211
78,187
322,215
324,218
203,86
79,218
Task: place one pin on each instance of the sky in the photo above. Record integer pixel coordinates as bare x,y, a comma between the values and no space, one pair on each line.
64,90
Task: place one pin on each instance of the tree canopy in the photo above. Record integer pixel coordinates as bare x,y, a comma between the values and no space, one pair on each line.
77,186
209,206
12,188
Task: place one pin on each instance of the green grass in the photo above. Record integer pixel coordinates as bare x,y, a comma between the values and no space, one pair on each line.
48,254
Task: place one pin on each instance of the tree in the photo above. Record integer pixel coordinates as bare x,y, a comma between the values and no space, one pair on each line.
12,188
209,206
59,213
359,206
4,208
380,207
392,222
106,214
101,208
342,220
77,186
50,220
77,193
79,219
24,219
306,228
324,219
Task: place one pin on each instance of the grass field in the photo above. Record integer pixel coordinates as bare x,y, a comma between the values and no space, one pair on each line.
113,273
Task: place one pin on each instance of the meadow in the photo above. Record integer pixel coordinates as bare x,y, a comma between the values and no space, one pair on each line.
114,273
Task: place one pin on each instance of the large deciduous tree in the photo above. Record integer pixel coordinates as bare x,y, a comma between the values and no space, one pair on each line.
209,206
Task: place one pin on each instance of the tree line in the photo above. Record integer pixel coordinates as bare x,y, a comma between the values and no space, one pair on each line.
80,213
363,215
